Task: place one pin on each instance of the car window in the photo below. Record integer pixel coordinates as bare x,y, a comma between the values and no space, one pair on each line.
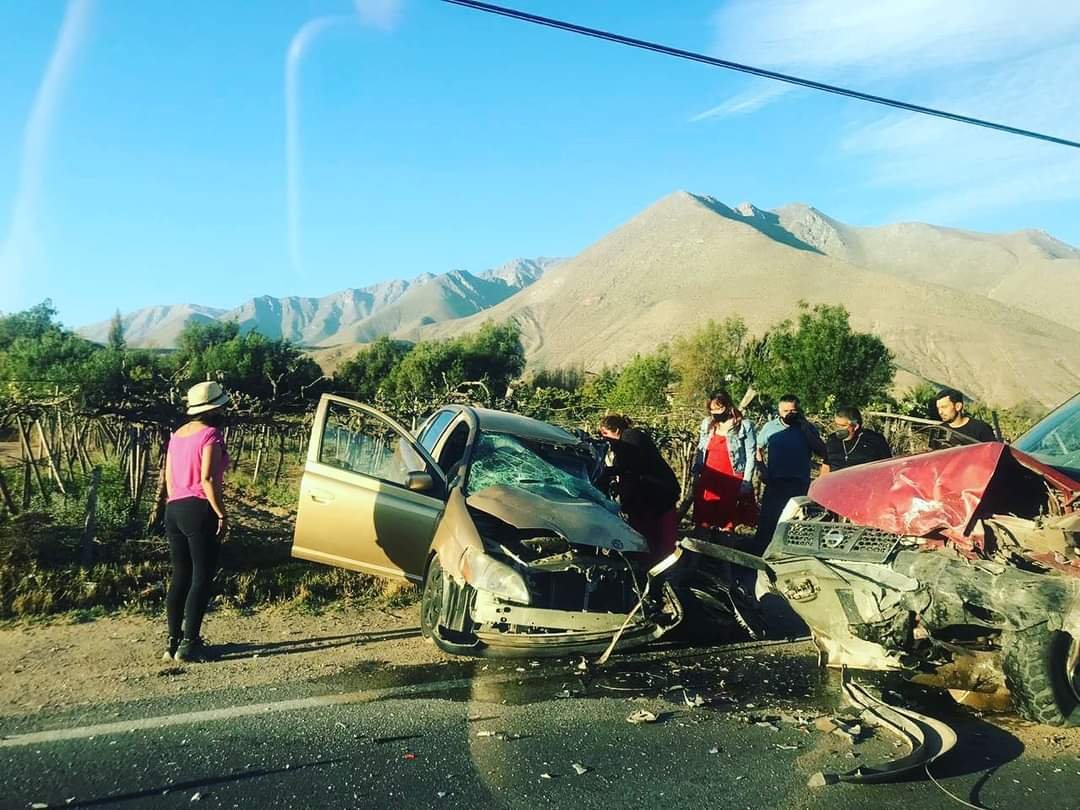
551,471
362,443
429,436
1055,440
453,450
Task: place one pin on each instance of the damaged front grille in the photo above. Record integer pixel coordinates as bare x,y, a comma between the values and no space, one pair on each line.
842,541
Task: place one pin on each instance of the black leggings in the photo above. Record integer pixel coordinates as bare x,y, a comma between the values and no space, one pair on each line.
191,526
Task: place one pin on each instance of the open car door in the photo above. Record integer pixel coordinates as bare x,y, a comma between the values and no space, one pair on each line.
370,496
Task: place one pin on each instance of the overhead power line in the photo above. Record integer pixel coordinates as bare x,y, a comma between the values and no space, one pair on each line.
656,47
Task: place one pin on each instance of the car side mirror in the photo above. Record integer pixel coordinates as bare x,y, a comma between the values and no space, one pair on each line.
419,481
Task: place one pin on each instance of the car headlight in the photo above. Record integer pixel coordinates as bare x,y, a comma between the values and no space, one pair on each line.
488,574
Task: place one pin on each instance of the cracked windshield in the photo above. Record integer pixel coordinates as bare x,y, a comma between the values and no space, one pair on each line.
450,403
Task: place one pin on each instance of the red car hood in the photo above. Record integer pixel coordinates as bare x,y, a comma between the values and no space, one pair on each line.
938,492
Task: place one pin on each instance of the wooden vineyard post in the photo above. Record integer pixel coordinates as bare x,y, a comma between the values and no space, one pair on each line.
139,464
49,455
65,445
157,511
281,456
89,533
28,454
6,493
258,457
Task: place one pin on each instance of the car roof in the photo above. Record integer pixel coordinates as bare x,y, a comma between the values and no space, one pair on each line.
523,427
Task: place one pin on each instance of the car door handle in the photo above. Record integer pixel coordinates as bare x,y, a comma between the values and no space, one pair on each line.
321,497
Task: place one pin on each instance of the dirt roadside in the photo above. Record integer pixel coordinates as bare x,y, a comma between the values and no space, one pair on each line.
58,666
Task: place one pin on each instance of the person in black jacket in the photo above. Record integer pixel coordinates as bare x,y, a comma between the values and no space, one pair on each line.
852,443
647,487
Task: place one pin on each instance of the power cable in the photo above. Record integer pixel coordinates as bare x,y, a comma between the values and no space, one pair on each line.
754,71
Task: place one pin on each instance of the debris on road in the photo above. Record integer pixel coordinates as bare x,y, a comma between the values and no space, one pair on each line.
926,738
580,770
641,716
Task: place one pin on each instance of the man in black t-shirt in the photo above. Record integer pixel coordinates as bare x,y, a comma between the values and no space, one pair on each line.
962,429
853,444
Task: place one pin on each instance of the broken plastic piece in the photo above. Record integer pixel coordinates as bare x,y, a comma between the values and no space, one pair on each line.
641,716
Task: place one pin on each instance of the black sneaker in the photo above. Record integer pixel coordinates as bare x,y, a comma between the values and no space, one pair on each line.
191,650
170,649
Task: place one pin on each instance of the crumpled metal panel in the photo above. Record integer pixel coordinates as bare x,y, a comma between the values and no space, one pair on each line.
915,495
577,521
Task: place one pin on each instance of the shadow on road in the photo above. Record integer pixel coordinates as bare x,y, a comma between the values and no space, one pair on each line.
227,652
194,784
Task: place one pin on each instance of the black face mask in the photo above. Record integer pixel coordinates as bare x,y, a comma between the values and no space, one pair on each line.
720,416
792,418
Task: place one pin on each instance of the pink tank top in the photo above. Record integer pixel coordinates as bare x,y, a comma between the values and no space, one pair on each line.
185,462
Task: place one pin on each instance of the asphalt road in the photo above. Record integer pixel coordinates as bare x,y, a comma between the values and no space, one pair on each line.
509,734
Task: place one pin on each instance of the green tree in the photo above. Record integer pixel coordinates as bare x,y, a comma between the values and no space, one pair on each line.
643,382
34,347
371,369
116,333
492,355
197,337
823,361
31,323
271,371
718,355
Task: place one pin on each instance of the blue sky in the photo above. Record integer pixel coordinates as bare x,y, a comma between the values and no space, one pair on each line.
157,152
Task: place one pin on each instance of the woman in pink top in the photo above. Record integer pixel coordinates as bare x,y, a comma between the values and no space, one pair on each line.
195,518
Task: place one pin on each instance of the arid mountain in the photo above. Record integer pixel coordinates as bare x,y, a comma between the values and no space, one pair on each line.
154,327
359,314
689,258
1026,269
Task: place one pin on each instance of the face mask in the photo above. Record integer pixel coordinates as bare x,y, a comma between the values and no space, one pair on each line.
791,418
719,416
842,433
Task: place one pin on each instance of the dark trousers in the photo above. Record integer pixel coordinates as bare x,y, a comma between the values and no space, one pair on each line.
191,526
778,491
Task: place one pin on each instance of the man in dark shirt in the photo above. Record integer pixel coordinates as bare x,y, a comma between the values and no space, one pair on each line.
962,429
853,444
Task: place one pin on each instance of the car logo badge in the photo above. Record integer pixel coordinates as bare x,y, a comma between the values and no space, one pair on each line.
833,538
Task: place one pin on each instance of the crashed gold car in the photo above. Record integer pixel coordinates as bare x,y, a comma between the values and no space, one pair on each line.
960,567
497,517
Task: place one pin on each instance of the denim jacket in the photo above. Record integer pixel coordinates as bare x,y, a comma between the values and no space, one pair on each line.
741,446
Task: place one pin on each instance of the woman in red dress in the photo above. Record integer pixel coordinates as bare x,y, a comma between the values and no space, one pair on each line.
724,468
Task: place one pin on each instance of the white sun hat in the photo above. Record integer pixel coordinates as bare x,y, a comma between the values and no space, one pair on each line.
205,396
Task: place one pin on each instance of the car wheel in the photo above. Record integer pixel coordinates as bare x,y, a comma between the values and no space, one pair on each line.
431,599
431,608
1042,671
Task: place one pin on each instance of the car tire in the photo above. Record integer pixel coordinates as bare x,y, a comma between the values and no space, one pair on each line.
431,605
431,598
1039,664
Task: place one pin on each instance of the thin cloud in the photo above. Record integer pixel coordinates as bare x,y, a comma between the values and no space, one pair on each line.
299,45
381,14
19,244
384,14
1012,61
745,102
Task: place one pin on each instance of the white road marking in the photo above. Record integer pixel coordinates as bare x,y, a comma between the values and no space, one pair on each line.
228,713
340,699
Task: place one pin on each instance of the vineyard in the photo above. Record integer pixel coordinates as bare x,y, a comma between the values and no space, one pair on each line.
84,430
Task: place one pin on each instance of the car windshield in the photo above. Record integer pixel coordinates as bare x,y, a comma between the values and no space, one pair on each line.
552,471
1055,440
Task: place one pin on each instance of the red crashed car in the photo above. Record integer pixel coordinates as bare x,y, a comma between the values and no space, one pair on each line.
959,568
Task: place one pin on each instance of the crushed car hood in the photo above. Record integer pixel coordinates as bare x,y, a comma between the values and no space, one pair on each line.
577,521
940,492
